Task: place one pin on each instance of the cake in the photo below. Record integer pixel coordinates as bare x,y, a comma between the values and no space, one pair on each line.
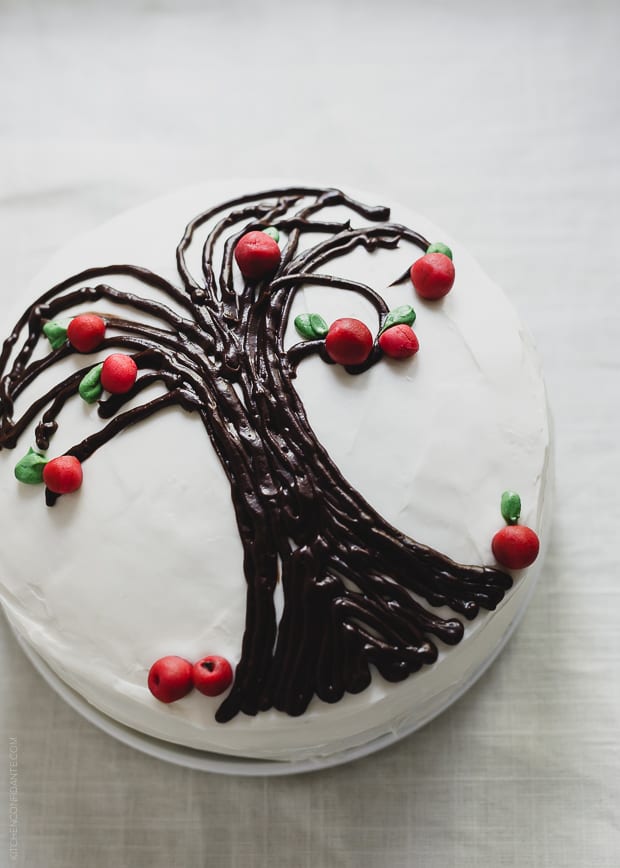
312,445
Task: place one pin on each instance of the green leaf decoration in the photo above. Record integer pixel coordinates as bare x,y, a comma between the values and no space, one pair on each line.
439,247
403,315
55,333
30,468
273,233
511,507
90,387
311,326
319,325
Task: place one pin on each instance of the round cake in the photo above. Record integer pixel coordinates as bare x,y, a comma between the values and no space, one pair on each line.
275,467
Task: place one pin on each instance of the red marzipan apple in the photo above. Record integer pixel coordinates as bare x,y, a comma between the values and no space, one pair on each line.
85,332
63,475
348,341
432,275
212,675
399,342
170,678
118,373
257,255
515,546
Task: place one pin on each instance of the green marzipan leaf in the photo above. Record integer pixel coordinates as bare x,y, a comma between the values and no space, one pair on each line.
439,247
311,326
30,468
319,325
55,333
511,507
273,233
403,315
90,387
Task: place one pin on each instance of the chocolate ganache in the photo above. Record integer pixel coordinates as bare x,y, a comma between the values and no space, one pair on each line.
353,585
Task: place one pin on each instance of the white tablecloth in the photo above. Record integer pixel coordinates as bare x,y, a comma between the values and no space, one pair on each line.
499,121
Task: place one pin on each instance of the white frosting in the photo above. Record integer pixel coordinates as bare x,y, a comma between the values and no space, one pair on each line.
145,560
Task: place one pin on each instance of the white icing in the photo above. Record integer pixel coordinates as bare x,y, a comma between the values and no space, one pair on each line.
145,559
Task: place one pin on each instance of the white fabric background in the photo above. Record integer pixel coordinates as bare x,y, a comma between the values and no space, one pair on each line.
499,121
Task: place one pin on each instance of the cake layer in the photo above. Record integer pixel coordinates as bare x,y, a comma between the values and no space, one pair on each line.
146,559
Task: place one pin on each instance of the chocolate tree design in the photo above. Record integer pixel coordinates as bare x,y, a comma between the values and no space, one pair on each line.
356,591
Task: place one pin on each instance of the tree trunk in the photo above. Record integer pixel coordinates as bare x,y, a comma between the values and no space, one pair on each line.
348,577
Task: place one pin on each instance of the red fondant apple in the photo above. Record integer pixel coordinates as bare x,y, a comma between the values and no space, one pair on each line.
348,342
432,275
257,255
515,546
212,675
118,373
63,475
399,342
85,332
170,678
